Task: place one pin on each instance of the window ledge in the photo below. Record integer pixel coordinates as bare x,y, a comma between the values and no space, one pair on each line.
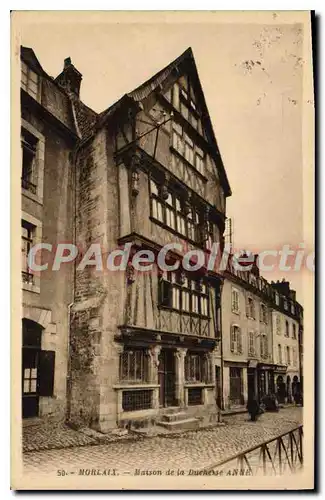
180,235
31,288
129,386
184,313
31,196
202,385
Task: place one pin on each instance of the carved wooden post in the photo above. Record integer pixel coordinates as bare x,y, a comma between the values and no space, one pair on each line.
153,353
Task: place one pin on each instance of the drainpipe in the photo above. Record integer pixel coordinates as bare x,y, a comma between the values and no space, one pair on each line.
69,385
69,379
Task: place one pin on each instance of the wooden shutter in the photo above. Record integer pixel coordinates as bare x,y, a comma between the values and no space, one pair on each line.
232,343
239,341
46,373
247,307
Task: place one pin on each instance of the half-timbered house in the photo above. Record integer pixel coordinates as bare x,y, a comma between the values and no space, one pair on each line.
149,173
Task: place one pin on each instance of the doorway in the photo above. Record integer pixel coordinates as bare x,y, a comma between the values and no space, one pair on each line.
236,386
32,333
281,391
166,377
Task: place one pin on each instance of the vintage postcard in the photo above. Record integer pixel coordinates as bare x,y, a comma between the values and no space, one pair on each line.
163,313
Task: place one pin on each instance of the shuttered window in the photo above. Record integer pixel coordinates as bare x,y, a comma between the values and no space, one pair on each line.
236,340
264,346
235,300
251,343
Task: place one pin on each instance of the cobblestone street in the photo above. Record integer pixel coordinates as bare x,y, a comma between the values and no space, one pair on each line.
195,449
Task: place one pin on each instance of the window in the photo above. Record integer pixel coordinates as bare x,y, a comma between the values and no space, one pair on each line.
294,331
134,365
235,300
236,340
184,145
188,106
157,206
279,354
294,356
199,160
184,294
236,385
288,355
176,214
292,308
29,147
29,80
136,400
27,234
251,344
263,313
196,367
285,305
278,324
277,299
263,346
210,234
250,308
287,329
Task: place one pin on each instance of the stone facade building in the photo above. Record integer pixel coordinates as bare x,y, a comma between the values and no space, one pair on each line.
260,344
287,346
147,171
48,139
150,173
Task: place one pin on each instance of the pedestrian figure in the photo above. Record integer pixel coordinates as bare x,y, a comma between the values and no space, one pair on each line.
253,408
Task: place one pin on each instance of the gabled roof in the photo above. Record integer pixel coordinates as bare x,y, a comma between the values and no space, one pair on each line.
28,56
151,85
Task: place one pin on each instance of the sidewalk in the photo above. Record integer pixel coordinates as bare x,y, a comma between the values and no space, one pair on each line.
53,434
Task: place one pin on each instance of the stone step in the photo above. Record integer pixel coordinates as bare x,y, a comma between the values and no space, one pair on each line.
188,423
171,417
171,410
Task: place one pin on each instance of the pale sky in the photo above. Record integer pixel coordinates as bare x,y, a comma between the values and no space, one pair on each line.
256,109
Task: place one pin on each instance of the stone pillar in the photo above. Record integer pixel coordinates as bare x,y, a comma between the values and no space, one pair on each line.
153,353
180,354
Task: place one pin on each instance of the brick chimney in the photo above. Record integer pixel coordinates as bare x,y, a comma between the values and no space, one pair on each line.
70,78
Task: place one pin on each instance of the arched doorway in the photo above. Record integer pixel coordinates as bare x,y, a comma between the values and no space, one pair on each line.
280,388
32,335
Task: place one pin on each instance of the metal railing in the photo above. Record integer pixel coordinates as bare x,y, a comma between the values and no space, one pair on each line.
277,456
